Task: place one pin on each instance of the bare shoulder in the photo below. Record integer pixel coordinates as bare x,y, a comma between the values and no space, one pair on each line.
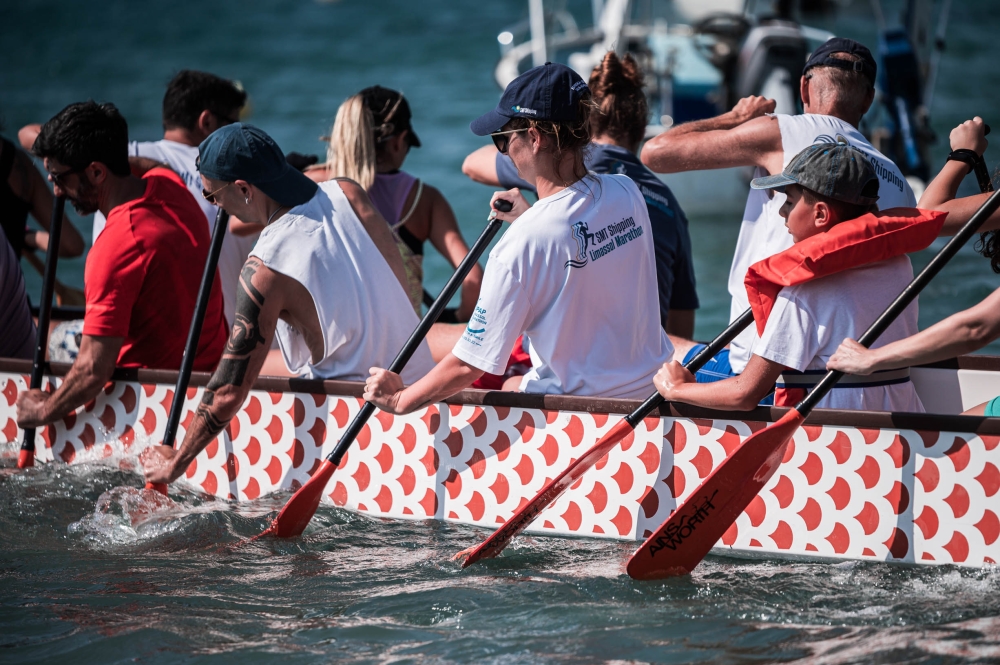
354,192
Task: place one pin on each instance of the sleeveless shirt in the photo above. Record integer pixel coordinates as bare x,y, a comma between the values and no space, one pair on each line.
389,194
362,309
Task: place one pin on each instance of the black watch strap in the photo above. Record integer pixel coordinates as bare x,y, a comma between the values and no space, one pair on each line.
964,155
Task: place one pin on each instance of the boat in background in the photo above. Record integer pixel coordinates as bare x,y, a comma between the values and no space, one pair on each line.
894,487
693,70
700,57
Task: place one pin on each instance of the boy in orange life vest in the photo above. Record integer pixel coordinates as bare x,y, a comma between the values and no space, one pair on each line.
825,185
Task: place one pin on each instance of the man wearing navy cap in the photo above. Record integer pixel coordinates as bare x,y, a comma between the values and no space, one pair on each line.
324,278
837,88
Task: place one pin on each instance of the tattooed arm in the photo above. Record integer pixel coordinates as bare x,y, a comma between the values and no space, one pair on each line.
258,302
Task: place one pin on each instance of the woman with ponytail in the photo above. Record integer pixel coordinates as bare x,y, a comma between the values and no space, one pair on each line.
370,139
575,273
618,126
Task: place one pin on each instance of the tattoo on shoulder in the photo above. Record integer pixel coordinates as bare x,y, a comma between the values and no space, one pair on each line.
245,336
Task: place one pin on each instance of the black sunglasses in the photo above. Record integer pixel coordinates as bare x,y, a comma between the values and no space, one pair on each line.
502,139
57,178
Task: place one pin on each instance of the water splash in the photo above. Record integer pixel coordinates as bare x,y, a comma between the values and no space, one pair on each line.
125,516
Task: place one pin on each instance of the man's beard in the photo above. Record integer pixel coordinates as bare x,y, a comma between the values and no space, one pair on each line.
85,202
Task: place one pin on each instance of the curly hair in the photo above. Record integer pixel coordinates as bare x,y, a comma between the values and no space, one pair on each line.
989,242
622,110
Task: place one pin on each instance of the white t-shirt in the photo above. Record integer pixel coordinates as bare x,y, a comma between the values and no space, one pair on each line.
235,249
363,311
809,321
577,275
763,232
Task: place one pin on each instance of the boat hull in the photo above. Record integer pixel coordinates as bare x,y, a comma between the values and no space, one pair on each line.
890,487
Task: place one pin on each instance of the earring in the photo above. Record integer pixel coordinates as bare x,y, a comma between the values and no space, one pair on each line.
248,200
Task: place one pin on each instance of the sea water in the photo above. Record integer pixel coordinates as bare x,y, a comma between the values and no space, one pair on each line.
93,569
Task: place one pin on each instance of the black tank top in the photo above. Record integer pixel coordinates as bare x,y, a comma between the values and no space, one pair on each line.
13,209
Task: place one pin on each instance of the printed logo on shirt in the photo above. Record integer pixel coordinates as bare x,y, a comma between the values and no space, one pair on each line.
620,233
883,172
477,326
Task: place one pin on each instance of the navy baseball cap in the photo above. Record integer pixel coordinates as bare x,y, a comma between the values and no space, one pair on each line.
547,92
835,170
244,152
823,56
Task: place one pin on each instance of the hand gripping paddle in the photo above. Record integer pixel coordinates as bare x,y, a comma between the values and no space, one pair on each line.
26,457
520,520
295,516
194,335
690,532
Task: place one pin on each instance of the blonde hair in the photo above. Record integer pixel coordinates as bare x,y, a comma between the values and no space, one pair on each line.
351,152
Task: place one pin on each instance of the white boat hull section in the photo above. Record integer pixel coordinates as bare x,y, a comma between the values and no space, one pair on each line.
842,492
716,192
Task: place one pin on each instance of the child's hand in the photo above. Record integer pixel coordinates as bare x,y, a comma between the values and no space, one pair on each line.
970,135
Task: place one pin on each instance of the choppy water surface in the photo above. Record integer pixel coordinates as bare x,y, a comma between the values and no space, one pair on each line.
142,578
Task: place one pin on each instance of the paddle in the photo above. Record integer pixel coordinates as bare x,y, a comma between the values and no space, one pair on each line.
295,516
194,334
690,532
26,457
555,488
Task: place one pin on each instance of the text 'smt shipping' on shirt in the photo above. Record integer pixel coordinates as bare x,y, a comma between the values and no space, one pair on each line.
671,239
576,274
143,274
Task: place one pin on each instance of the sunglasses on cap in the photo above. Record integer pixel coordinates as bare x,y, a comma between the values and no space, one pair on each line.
502,139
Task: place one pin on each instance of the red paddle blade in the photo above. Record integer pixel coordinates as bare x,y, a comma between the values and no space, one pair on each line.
159,487
295,516
495,544
26,458
690,532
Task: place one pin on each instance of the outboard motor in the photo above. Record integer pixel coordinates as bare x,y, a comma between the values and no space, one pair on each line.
770,64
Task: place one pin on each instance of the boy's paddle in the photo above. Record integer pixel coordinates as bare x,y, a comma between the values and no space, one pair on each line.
295,516
26,457
194,335
690,532
555,488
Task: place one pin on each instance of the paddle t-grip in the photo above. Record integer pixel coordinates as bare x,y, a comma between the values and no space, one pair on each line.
503,205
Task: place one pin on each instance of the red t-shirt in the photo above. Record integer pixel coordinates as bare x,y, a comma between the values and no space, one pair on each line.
142,278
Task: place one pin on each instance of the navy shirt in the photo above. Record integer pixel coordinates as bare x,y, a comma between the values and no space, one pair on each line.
671,240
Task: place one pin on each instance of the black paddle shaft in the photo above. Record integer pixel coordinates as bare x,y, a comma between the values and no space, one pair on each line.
696,363
45,307
417,336
905,298
194,332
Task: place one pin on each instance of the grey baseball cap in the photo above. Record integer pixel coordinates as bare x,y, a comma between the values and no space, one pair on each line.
836,170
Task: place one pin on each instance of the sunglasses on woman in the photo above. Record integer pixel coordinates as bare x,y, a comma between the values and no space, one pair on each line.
502,139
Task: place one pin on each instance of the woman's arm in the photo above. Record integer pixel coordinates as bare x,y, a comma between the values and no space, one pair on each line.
481,166
447,239
739,393
960,333
970,135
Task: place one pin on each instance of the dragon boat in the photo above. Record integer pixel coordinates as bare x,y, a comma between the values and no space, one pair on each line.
894,487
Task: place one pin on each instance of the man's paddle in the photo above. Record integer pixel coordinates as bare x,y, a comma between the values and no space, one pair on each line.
555,488
690,532
295,516
194,335
26,457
